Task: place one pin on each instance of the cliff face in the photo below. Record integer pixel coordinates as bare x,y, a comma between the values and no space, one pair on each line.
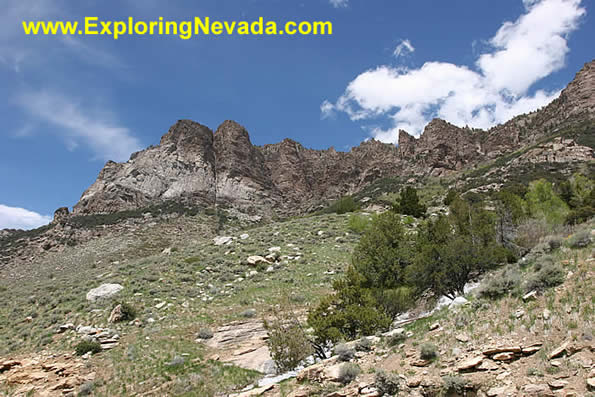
192,163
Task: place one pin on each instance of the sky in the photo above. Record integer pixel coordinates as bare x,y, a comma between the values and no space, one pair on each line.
71,103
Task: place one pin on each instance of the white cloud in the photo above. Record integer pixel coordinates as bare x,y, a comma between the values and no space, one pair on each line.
405,47
96,130
339,3
20,218
327,109
492,91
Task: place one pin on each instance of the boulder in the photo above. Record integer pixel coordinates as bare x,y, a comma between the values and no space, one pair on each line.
256,259
104,291
470,363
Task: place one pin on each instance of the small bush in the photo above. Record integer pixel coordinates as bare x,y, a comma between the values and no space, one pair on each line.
128,311
387,382
428,351
348,372
205,333
544,261
344,352
358,223
363,345
396,339
580,239
501,283
84,347
342,206
250,313
547,277
287,342
453,384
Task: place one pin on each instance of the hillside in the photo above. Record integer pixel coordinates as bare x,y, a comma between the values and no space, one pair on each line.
165,277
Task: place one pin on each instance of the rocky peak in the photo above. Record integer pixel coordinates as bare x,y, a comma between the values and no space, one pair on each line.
61,215
406,144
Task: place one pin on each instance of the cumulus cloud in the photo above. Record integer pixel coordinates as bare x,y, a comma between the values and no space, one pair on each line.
20,218
339,3
95,129
405,47
491,91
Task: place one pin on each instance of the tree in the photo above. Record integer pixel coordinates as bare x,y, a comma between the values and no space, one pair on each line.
451,250
350,313
409,203
287,341
543,202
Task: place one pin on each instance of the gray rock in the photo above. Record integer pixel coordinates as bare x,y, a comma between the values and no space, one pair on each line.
104,291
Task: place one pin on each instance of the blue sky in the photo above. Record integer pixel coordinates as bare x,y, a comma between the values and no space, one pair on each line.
71,103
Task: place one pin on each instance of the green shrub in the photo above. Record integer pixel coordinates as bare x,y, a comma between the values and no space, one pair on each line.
548,276
363,345
428,351
501,283
85,346
128,311
409,203
344,352
287,342
580,239
342,206
204,333
453,385
359,223
387,382
348,372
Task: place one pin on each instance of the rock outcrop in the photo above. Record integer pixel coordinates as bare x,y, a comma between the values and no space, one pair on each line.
193,164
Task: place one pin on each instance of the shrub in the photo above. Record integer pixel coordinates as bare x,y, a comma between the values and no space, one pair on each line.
428,351
128,311
548,276
387,382
249,313
453,384
348,372
409,203
363,345
85,346
531,231
546,260
342,206
344,352
580,239
395,340
501,283
287,342
205,333
358,223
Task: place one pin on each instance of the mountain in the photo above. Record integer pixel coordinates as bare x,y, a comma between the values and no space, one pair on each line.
195,165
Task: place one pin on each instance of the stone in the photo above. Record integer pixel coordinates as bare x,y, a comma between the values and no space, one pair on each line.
274,249
104,291
166,251
470,363
506,356
459,301
559,351
434,326
557,384
537,390
244,236
501,349
464,338
546,314
222,240
116,315
256,259
530,296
